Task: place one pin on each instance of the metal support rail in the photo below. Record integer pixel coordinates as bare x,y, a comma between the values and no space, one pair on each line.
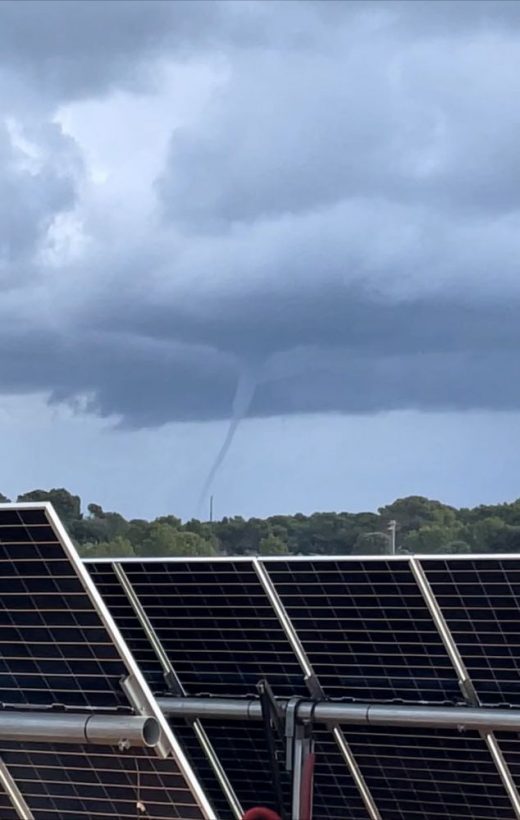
355,714
83,729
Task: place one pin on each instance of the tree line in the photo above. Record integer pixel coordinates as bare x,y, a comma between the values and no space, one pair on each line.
422,526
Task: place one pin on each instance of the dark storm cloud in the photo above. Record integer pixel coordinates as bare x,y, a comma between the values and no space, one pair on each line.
39,168
75,49
342,219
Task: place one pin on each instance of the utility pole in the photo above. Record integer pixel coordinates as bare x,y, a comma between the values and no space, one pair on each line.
211,509
392,525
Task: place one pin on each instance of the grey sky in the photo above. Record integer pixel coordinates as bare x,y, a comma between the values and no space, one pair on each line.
323,195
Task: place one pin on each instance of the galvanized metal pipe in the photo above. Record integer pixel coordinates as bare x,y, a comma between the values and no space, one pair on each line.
329,712
103,730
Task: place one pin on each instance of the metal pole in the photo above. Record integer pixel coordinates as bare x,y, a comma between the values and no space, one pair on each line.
327,712
392,526
104,730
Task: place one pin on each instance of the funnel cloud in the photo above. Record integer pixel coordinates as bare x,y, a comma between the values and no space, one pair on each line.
331,189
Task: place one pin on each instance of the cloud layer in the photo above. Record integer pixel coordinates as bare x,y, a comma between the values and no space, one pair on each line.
339,213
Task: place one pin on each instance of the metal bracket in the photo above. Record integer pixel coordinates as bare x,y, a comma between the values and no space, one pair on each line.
134,694
299,745
273,722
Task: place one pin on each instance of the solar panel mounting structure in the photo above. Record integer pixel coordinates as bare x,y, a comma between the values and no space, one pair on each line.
399,674
81,735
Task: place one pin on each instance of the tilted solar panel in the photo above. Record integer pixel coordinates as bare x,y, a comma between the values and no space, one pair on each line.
415,774
61,652
214,621
480,599
369,634
221,635
366,630
65,782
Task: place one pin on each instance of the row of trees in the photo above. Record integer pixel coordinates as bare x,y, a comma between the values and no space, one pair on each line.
423,526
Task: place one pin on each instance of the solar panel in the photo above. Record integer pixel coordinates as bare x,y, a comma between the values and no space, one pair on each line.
221,635
214,621
61,652
367,630
415,773
480,599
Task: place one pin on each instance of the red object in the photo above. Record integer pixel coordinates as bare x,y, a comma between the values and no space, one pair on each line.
306,788
260,813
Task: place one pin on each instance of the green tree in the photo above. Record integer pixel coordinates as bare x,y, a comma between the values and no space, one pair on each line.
430,538
118,548
457,547
415,511
137,531
4,499
171,520
162,539
272,545
372,543
67,506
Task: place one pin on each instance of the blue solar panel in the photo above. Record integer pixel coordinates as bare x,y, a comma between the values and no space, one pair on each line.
480,599
242,750
336,796
213,620
369,636
56,652
415,774
68,782
54,649
366,630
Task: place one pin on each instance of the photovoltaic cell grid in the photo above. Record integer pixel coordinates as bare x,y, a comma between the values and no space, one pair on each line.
121,610
55,652
221,635
199,761
242,750
510,747
369,637
336,796
415,774
6,809
64,782
480,599
366,630
216,625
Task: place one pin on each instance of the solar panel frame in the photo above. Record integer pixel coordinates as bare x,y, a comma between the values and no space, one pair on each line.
20,546
189,625
502,807
367,632
245,578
